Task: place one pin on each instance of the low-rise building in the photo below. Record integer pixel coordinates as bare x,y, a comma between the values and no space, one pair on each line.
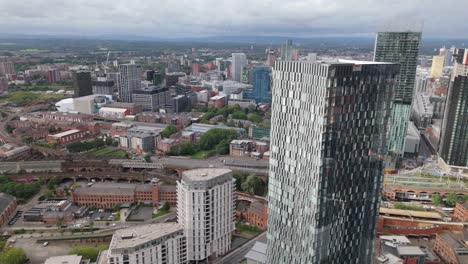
66,136
218,101
252,209
461,212
112,112
257,255
10,151
7,207
67,259
132,108
155,243
202,128
261,133
245,148
166,144
450,249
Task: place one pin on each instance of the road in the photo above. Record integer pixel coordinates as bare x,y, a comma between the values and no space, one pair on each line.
236,256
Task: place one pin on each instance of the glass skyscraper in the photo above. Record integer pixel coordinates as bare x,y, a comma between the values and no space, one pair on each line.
401,48
328,137
454,142
261,87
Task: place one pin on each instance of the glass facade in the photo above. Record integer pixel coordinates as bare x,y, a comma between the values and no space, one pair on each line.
328,135
261,88
401,48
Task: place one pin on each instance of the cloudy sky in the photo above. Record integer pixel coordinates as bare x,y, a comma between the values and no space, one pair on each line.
192,18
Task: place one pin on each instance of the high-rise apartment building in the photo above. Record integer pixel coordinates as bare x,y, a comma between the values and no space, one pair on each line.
288,52
239,62
150,244
261,87
328,136
128,81
437,66
205,209
82,83
454,142
401,48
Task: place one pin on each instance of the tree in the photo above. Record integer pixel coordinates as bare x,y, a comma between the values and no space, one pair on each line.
253,185
436,199
13,256
254,117
88,252
116,207
239,115
148,158
222,148
451,200
168,131
166,206
213,137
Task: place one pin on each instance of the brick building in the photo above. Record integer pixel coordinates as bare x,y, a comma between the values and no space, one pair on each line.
242,148
252,209
132,108
461,212
450,249
66,136
58,116
218,101
7,207
106,195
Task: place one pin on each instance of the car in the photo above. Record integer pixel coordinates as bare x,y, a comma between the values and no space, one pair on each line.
48,226
113,224
45,244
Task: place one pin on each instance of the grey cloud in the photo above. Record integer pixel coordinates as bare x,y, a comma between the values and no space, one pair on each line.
161,18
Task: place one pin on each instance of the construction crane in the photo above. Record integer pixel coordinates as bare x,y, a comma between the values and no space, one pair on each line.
104,65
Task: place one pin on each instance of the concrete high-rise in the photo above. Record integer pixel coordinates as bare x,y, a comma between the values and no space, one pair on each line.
437,66
239,62
328,134
205,210
401,48
128,81
288,52
82,83
454,141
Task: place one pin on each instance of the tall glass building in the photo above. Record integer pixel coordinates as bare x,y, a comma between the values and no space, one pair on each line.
401,48
261,87
328,137
454,142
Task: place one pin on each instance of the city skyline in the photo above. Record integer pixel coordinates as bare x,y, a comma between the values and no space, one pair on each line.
292,18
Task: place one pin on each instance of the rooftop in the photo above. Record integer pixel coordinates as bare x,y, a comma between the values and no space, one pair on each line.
5,200
410,251
67,259
258,253
204,174
108,188
65,133
112,109
134,236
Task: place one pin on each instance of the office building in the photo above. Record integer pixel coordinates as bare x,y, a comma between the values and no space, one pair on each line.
271,58
239,62
288,52
103,86
437,66
454,142
149,75
447,53
82,83
149,244
152,98
179,103
128,81
205,209
261,88
158,78
326,159
401,48
422,111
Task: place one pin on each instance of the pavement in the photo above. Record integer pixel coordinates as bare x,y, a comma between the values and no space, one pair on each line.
237,255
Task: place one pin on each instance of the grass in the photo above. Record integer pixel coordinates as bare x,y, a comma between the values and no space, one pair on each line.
34,51
108,152
46,145
248,228
409,207
203,154
160,213
24,98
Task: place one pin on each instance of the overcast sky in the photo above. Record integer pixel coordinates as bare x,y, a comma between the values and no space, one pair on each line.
192,18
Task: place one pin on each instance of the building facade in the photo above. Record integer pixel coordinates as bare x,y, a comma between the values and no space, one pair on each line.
128,81
401,48
66,136
239,62
454,142
7,208
103,86
152,98
82,83
205,209
261,88
437,66
148,244
326,164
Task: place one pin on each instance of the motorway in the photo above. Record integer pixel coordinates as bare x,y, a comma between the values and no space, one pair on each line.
236,256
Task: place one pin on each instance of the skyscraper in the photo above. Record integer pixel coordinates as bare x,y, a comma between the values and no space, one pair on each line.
271,57
326,165
454,142
82,83
437,66
239,61
401,48
261,88
205,209
288,52
128,81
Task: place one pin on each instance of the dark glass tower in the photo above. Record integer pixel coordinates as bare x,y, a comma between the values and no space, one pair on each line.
261,87
401,48
82,83
328,135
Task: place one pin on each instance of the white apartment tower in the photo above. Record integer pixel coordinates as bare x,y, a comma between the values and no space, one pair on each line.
205,208
128,81
239,61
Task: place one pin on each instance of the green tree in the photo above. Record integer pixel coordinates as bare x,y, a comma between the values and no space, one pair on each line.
222,148
13,256
168,131
451,200
116,207
240,178
253,185
88,252
166,206
148,158
436,199
213,137
239,115
254,117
